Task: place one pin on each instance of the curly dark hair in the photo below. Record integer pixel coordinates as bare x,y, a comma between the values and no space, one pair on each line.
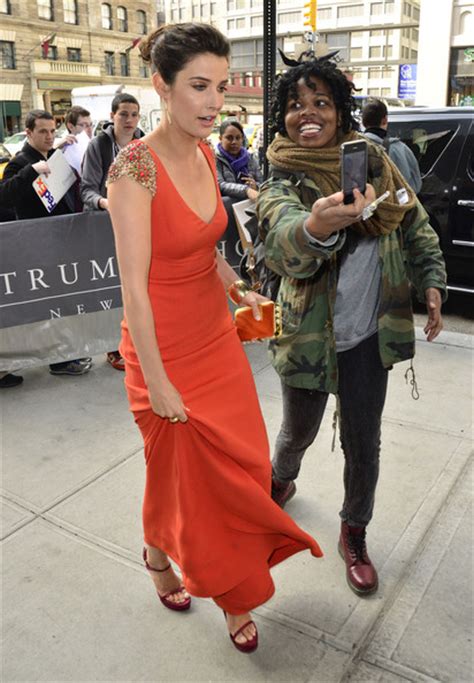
285,88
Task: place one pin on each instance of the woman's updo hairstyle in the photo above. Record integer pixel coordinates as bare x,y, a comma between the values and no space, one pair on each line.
171,47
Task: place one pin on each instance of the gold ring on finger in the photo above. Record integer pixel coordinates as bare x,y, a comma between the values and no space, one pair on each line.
174,419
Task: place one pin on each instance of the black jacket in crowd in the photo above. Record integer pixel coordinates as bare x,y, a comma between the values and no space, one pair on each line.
16,189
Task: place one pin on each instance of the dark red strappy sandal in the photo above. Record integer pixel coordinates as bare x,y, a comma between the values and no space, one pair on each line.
250,645
170,604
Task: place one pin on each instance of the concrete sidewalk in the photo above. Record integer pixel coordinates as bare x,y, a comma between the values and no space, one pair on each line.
79,606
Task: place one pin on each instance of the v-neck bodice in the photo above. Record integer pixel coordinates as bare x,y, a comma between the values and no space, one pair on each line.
182,242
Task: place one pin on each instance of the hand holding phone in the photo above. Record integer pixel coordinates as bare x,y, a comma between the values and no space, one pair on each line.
354,157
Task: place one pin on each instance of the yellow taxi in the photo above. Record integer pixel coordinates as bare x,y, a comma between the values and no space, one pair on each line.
5,157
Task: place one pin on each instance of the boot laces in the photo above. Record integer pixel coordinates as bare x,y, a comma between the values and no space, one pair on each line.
357,547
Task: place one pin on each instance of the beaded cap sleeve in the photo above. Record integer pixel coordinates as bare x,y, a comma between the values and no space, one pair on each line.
136,162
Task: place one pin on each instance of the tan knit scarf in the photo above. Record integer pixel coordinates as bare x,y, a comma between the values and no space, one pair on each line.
323,166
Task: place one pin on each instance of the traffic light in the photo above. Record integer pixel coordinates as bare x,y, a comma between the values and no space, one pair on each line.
310,14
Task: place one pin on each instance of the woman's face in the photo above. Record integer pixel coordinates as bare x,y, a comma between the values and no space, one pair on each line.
311,120
197,94
232,140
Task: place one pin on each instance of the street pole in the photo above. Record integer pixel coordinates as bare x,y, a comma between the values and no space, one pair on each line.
269,68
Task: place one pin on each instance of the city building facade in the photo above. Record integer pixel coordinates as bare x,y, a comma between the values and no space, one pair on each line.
374,38
446,54
49,47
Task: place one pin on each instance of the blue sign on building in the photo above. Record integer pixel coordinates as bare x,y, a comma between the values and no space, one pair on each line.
407,81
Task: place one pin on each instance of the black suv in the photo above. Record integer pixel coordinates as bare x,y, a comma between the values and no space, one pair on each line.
443,142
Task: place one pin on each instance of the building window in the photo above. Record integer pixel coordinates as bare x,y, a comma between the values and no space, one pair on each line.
141,22
407,9
122,19
386,92
374,72
7,51
204,9
415,34
350,11
356,53
143,70
389,7
174,15
106,14
5,7
70,11
414,55
375,52
256,21
289,18
244,54
376,8
416,14
45,9
373,92
339,41
388,51
255,3
230,5
375,34
240,23
124,64
109,63
52,53
230,24
213,8
74,54
324,13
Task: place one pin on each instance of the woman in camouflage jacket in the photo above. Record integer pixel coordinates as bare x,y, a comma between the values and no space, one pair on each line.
345,290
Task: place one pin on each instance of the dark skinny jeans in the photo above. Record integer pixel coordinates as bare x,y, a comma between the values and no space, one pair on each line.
362,391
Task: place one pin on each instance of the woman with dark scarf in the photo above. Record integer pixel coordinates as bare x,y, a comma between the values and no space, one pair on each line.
237,171
345,291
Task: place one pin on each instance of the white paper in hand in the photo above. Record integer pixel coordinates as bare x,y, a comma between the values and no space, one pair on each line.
74,153
52,188
242,211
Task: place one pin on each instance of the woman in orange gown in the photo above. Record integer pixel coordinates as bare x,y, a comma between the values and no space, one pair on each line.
207,502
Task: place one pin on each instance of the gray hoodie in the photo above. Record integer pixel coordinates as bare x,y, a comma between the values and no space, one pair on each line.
402,157
98,158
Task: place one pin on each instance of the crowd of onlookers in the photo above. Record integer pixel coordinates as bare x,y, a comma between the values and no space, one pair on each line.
239,174
19,200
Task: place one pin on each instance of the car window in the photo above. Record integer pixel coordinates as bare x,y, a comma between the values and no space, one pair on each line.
17,137
427,140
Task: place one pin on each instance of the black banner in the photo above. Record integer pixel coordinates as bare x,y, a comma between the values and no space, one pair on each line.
57,266
61,266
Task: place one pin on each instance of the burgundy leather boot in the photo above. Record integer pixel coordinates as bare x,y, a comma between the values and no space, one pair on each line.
281,492
360,572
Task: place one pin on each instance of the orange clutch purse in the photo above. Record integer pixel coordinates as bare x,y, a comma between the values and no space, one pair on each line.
267,327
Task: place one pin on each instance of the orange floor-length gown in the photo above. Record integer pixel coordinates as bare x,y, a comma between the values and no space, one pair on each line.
207,498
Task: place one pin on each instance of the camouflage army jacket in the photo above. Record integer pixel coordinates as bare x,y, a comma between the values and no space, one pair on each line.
305,355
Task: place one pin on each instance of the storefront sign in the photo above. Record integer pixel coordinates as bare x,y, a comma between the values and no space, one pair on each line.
58,85
407,81
469,54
